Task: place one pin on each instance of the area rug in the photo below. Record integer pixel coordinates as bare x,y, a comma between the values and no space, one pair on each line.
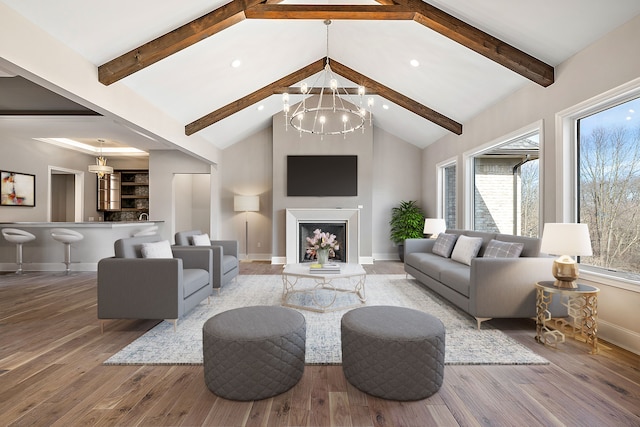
465,344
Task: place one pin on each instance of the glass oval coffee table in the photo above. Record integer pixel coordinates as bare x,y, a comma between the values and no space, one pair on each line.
322,291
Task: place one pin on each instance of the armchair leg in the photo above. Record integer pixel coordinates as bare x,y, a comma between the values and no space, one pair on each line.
102,322
175,323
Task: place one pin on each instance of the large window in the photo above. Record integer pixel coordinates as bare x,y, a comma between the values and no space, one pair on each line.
609,186
506,186
448,193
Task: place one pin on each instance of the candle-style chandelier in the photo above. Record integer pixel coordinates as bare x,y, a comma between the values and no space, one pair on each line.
336,111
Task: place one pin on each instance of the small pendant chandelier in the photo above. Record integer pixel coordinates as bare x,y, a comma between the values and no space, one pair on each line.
339,115
101,168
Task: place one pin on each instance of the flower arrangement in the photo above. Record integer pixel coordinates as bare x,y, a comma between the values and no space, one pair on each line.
320,241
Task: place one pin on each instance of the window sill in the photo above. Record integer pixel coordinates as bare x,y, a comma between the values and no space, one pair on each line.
609,279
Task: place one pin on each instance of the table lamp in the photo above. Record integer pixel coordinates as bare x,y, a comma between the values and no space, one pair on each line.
566,240
246,204
434,226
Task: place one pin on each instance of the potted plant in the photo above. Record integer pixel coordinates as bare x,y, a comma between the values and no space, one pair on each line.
407,222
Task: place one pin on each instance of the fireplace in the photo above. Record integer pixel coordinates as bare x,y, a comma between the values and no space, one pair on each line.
306,229
347,219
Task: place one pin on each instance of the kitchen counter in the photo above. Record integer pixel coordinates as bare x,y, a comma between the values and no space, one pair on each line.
45,254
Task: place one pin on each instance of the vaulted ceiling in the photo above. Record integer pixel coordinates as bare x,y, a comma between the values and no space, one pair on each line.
178,55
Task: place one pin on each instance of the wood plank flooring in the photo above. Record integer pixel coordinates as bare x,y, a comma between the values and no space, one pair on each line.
51,374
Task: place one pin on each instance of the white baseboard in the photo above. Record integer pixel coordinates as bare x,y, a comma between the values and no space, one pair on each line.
622,337
386,256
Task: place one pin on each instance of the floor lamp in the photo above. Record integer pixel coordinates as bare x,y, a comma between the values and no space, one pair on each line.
246,204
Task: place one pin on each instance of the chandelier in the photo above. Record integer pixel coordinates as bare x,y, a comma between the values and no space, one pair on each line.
337,113
101,168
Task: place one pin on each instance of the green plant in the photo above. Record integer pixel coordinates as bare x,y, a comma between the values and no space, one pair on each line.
407,221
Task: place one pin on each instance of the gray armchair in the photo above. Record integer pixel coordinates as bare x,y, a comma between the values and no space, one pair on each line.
225,256
133,287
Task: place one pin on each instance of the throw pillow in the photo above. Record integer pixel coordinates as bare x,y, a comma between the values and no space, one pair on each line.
497,249
201,240
466,248
160,249
444,244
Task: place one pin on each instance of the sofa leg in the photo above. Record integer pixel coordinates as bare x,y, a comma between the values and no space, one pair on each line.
102,322
482,319
175,323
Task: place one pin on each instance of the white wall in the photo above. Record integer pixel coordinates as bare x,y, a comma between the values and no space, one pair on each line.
610,62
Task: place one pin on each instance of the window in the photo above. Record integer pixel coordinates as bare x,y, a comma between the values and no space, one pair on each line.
447,186
608,181
506,186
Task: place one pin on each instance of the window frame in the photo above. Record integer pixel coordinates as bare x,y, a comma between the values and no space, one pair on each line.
567,155
440,182
468,171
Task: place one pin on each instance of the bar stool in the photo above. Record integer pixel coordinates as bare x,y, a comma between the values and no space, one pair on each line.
66,236
17,236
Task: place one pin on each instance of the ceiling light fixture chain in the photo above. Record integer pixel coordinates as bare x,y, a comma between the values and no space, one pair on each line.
338,115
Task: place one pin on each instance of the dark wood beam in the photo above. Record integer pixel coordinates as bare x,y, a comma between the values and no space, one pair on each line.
254,97
481,42
174,41
397,98
294,90
300,11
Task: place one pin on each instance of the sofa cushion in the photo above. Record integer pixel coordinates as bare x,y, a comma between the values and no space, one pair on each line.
457,277
429,264
229,262
444,244
194,279
201,240
160,249
466,248
497,249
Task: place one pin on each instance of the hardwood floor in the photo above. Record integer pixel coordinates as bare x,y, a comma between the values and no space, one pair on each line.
51,374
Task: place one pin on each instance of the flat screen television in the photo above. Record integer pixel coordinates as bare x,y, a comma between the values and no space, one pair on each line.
322,176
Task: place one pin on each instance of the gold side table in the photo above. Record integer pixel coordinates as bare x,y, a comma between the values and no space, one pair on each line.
582,305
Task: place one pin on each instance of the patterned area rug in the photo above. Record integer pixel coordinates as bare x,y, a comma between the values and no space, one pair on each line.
465,344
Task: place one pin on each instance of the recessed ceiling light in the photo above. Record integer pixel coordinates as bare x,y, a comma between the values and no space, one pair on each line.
236,63
414,63
385,106
260,107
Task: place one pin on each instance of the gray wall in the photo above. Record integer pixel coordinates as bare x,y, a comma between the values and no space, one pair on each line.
389,169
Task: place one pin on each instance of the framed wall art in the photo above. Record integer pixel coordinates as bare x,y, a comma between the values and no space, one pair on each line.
17,189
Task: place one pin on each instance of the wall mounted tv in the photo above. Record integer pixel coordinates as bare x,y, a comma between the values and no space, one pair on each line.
322,176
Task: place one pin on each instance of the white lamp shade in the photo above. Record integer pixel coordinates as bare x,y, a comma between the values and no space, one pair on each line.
434,225
246,203
566,239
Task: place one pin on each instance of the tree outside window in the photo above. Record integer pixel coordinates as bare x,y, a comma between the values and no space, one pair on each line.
609,186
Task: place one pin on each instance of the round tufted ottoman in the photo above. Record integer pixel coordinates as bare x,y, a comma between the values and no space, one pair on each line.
393,352
252,353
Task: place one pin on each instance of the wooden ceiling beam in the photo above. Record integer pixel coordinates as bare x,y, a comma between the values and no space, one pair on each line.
397,98
481,42
300,11
174,41
254,97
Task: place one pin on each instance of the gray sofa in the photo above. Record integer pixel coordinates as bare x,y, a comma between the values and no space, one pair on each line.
225,256
133,287
489,287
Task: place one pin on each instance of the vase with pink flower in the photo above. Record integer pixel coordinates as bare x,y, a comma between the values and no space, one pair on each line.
322,245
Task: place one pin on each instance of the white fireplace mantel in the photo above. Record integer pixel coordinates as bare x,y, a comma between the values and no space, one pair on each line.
351,217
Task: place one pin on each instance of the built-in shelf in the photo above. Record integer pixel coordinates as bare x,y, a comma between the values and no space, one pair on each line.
134,195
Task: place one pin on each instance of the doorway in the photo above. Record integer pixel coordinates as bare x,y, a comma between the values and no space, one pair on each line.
66,190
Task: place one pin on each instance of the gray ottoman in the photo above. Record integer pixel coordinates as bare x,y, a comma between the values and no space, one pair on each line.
252,353
393,352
